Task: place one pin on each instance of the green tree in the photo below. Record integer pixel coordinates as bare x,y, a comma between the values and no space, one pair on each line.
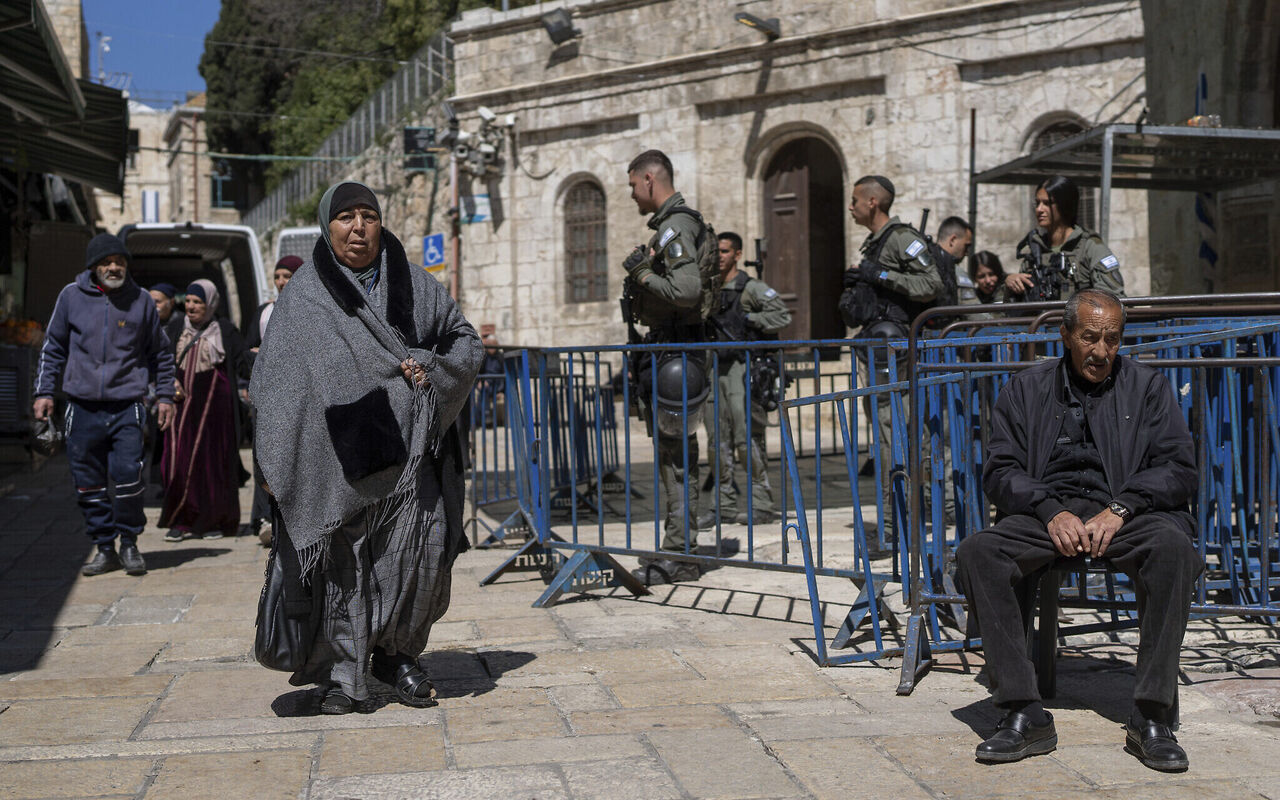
282,74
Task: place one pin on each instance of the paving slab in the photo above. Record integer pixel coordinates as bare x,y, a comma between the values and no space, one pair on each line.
946,766
265,775
609,780
397,748
78,778
723,762
511,722
548,750
630,720
62,720
847,769
505,783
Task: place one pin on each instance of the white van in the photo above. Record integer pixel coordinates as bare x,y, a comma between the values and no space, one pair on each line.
180,252
298,242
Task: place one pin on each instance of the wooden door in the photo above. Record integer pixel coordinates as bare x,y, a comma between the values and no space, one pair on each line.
786,210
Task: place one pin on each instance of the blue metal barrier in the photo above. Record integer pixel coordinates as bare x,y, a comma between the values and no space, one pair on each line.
492,476
574,423
587,481
1230,403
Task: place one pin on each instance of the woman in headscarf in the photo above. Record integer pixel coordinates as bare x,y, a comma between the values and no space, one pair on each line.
357,386
201,465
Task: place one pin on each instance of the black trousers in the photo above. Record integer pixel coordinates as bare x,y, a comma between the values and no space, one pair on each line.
992,565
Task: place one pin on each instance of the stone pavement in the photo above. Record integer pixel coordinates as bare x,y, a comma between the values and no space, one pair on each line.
144,687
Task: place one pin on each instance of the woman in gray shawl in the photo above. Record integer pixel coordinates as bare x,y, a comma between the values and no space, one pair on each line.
362,373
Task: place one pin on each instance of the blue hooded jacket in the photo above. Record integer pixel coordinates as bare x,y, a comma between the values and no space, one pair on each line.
105,346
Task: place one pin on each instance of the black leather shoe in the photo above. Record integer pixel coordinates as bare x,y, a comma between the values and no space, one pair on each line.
1016,738
335,702
132,559
760,518
656,573
708,521
1156,747
103,561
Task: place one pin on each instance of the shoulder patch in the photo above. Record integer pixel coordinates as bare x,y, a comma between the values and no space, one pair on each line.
1110,262
914,248
667,235
770,293
673,251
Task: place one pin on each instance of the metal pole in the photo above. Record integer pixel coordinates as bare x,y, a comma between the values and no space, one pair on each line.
973,170
195,167
455,215
1104,202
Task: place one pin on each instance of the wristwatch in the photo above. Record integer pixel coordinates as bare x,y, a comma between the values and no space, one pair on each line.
1119,510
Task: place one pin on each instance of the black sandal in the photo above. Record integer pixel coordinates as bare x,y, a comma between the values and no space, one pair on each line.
402,673
336,702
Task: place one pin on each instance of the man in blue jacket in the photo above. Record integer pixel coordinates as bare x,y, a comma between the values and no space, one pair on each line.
106,343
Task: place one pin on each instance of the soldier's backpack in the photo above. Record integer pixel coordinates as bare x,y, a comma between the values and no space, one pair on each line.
946,265
708,258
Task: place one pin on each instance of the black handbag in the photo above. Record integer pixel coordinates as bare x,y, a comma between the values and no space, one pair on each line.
288,610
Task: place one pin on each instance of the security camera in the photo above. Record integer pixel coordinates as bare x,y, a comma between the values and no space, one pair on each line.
486,114
510,121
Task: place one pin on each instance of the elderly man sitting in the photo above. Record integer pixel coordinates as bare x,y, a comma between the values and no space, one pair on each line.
1089,455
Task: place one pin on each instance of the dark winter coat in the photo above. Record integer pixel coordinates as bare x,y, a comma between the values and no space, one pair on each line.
105,346
1147,452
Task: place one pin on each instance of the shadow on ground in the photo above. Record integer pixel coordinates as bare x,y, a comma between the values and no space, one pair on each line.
168,559
455,673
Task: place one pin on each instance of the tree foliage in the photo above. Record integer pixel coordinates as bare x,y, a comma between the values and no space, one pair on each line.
308,66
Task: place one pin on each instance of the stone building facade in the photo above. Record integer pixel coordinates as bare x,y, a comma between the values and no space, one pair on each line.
767,136
146,174
191,194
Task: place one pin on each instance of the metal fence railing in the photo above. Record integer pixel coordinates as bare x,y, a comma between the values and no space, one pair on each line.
428,73
1220,356
587,479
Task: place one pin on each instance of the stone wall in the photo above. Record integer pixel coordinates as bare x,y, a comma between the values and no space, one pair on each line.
145,170
414,204
68,24
887,85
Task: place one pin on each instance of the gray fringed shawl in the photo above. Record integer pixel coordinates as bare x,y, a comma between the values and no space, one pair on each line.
338,427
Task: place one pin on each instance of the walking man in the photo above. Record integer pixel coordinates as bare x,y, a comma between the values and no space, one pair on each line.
105,342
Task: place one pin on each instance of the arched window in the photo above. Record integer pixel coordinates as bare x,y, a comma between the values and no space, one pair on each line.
585,229
1087,215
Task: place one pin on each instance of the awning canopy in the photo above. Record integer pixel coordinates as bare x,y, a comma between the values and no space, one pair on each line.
1153,157
50,121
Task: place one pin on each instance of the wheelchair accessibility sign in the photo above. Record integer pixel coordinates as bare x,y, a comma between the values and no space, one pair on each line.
433,252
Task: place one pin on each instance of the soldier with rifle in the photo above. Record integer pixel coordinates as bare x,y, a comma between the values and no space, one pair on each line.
1059,256
749,310
670,284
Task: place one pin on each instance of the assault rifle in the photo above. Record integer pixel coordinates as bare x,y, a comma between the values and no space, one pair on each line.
758,263
1047,279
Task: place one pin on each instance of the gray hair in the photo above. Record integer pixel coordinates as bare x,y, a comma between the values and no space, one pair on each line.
1101,299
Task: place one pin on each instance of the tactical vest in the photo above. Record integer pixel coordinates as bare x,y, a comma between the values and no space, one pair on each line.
894,307
730,318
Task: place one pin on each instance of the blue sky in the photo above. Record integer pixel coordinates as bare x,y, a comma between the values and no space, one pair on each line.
158,42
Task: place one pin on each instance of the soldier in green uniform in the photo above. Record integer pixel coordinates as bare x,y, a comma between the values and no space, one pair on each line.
1070,257
894,282
748,311
664,292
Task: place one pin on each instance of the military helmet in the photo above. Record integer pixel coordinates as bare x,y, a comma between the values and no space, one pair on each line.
680,376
